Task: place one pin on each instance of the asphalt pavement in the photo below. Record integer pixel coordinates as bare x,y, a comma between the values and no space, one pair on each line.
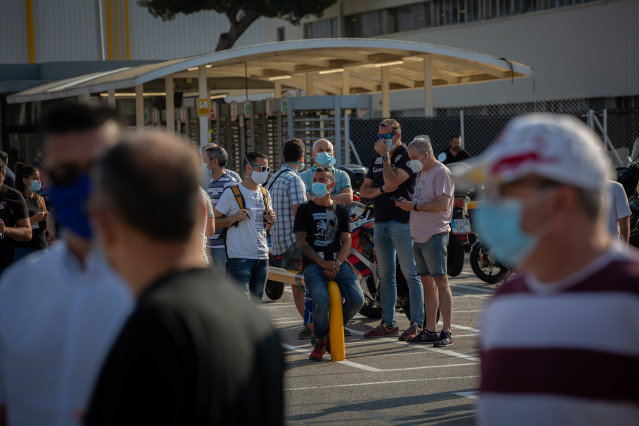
383,380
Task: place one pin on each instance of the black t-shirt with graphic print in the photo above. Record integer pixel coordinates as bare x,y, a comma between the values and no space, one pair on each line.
385,209
323,227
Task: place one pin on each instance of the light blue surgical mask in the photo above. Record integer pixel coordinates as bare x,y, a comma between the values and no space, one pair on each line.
499,226
319,189
324,159
35,186
205,169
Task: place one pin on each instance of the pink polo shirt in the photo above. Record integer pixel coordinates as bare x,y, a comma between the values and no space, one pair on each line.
431,184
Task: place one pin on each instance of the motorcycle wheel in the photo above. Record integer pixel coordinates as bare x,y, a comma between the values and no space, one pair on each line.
455,261
274,289
371,309
484,269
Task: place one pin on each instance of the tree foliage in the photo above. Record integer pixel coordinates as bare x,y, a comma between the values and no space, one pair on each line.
240,13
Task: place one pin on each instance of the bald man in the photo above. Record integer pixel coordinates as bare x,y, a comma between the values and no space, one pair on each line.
323,155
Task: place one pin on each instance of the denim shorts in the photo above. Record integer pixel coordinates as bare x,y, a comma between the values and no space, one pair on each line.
431,256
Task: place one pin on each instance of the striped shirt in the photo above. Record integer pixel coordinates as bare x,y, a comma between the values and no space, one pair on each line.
287,189
215,189
564,353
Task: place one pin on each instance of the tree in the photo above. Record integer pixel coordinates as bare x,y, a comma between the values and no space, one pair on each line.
240,13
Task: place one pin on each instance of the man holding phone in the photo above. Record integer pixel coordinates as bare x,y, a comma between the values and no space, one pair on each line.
390,176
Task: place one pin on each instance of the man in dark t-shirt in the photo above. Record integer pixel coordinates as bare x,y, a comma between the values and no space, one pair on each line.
323,235
14,220
195,351
454,153
389,177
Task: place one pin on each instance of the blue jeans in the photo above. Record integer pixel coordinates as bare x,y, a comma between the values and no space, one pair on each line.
431,256
393,238
250,274
218,258
21,253
316,283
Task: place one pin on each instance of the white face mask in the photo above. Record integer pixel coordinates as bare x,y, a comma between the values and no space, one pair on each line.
415,165
259,177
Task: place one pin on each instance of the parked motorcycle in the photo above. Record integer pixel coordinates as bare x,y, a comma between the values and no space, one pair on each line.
485,266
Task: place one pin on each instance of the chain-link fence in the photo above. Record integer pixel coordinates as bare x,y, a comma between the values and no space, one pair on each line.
480,126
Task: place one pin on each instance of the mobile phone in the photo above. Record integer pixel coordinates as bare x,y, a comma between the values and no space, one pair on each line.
395,199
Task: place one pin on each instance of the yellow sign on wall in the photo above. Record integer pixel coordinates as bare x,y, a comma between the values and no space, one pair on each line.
203,108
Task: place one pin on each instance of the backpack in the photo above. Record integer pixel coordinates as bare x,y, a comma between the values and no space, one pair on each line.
242,203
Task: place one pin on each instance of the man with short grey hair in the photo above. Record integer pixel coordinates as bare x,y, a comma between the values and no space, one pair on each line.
431,211
215,159
324,155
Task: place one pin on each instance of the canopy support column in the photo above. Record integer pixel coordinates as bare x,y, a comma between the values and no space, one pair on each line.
277,90
310,90
170,107
111,98
385,93
428,86
139,107
346,83
203,93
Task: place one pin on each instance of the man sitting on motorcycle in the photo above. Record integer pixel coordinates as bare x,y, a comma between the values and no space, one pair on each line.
323,235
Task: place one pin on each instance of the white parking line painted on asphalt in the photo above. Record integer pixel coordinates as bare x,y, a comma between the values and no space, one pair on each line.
386,382
349,363
277,305
469,395
285,322
432,366
485,290
453,353
463,327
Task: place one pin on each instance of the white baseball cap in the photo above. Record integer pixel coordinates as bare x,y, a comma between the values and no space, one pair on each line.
557,147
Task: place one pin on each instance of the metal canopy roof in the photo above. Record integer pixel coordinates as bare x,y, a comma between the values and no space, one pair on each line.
323,66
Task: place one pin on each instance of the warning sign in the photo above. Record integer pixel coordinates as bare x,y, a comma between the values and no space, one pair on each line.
203,108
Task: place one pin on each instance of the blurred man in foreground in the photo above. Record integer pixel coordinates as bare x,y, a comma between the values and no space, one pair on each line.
178,359
559,342
60,312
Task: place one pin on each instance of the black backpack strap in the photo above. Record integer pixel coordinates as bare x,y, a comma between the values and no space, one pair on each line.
274,178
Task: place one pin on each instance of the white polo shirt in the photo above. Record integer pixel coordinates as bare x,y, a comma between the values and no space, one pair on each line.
57,323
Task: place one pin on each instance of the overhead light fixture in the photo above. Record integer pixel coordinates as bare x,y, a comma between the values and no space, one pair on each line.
192,69
280,77
209,66
333,71
388,64
219,96
132,95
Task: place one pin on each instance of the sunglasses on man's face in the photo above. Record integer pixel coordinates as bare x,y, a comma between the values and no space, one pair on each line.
262,168
386,135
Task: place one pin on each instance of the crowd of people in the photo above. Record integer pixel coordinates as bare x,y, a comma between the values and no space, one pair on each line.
128,318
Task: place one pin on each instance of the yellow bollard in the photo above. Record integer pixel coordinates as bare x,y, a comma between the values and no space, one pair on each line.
336,322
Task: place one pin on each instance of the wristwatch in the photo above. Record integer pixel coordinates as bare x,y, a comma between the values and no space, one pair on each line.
384,157
415,207
338,262
381,190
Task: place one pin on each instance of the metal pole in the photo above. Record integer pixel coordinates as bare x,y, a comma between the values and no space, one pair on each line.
337,116
170,107
428,87
111,98
385,93
139,107
203,93
461,128
347,138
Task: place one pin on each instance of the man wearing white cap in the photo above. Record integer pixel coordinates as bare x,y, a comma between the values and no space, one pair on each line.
559,342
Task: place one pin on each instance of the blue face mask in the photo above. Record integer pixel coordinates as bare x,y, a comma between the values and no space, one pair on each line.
70,203
205,170
499,226
319,189
324,159
35,186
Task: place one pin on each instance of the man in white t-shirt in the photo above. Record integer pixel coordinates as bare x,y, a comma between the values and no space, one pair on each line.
619,219
246,244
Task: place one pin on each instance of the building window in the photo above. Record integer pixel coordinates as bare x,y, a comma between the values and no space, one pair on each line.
368,24
410,17
325,28
281,34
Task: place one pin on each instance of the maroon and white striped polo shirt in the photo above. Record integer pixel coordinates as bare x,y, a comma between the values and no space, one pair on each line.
564,353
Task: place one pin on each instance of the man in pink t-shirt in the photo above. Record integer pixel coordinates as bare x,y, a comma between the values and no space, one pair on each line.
431,211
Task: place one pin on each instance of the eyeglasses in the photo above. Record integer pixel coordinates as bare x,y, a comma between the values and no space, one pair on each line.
386,135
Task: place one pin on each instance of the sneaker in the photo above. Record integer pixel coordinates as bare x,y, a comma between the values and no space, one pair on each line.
445,339
425,337
347,332
319,351
381,331
410,333
306,333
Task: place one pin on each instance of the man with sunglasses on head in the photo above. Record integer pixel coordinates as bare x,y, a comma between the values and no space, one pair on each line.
60,312
246,244
215,159
389,177
559,342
